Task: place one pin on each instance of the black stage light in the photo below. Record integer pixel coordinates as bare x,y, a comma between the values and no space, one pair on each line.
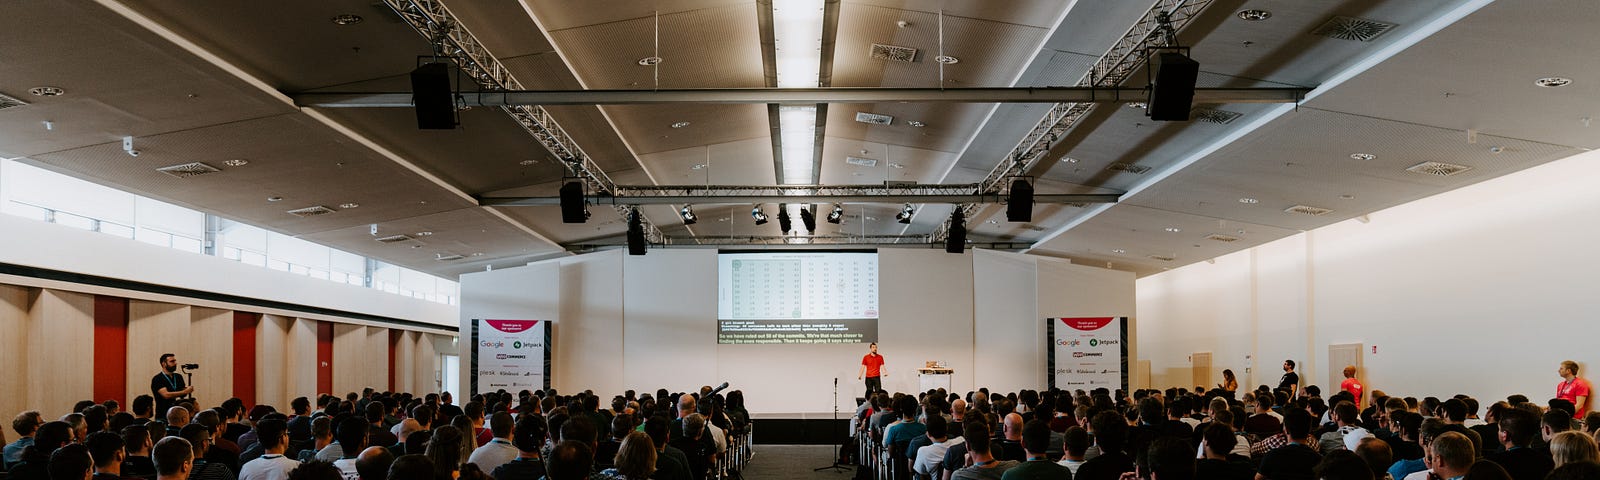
687,212
756,213
572,208
836,215
1019,204
905,214
636,241
956,240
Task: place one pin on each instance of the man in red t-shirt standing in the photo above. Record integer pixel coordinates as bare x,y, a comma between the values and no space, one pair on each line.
1351,384
1573,389
872,370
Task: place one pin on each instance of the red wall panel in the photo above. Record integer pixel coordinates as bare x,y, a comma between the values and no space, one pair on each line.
111,349
244,356
394,338
324,357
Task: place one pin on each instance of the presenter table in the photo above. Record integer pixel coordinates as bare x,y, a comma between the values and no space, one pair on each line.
934,378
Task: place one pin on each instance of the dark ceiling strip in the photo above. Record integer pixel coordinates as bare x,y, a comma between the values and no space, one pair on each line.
82,279
804,95
830,36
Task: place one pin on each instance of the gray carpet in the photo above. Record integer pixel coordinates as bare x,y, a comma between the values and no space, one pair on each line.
792,462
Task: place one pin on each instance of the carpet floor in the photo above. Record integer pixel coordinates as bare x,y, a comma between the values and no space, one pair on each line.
794,462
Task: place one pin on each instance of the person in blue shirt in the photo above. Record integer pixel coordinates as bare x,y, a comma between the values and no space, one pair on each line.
25,425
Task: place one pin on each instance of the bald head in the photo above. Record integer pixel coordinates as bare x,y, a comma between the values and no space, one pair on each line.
408,427
373,463
685,405
958,408
177,417
1013,427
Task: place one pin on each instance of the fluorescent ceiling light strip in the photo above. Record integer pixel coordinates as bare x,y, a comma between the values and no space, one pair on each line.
797,129
1388,51
797,34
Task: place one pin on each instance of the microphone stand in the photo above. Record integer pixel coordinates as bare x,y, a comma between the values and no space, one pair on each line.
839,445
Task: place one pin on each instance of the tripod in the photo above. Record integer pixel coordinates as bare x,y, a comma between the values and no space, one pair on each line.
838,446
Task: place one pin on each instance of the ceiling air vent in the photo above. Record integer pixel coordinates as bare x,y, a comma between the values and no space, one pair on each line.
393,238
311,211
862,161
1308,210
187,170
1222,238
1164,258
1036,228
1128,167
893,53
1351,28
7,101
1212,115
1438,169
445,257
874,118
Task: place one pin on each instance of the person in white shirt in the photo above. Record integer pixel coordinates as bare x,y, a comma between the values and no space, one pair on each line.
1077,445
272,465
500,450
930,457
352,435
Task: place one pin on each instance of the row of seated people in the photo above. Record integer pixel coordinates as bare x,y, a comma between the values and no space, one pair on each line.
1098,436
387,436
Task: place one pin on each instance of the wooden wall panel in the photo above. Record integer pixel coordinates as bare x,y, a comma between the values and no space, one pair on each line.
272,349
405,365
376,362
349,353
300,365
155,328
211,339
424,358
14,350
61,329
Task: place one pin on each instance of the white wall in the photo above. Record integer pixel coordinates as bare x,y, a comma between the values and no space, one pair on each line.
58,247
648,322
1482,290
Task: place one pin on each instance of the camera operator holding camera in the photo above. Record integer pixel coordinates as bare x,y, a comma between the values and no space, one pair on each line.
168,386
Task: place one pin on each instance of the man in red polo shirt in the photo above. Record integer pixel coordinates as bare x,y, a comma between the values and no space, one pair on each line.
872,369
1573,389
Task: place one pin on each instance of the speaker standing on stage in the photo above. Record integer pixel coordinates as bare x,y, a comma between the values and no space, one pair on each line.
168,385
872,370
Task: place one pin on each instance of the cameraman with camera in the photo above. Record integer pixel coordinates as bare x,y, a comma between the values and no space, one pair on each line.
168,386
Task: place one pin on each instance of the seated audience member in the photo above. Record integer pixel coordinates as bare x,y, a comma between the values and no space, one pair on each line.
199,437
528,437
635,458
373,463
1486,471
1035,441
273,437
1553,423
1296,459
144,407
929,457
955,458
352,435
671,463
1169,458
1349,431
695,450
1377,455
1075,443
1263,423
500,449
416,466
222,451
1219,461
321,439
984,465
1341,465
1451,455
1455,416
569,460
1516,429
1571,446
71,462
300,422
1110,434
107,450
174,458
33,463
378,434
621,426
1576,471
177,418
137,444
25,424
445,450
315,470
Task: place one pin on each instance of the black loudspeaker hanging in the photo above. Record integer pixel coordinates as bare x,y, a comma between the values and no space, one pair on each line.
1019,205
572,208
1172,92
808,219
430,94
783,218
956,241
636,242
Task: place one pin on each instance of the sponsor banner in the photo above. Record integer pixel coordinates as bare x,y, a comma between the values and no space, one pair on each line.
1088,352
510,355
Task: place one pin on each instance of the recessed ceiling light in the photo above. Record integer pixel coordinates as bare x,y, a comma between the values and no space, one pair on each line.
424,233
237,162
349,205
527,162
1138,105
896,165
1118,250
1553,82
1174,229
723,219
1068,160
650,61
915,123
871,218
346,19
274,199
1254,15
994,222
947,60
1249,201
477,254
1347,197
47,91
697,166
1363,156
680,124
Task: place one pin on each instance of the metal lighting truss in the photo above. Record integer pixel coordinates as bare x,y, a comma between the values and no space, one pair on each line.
432,20
1155,28
724,194
816,241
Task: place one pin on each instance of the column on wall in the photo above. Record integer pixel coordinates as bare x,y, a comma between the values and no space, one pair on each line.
211,341
272,373
14,346
360,354
300,359
61,323
405,365
155,328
